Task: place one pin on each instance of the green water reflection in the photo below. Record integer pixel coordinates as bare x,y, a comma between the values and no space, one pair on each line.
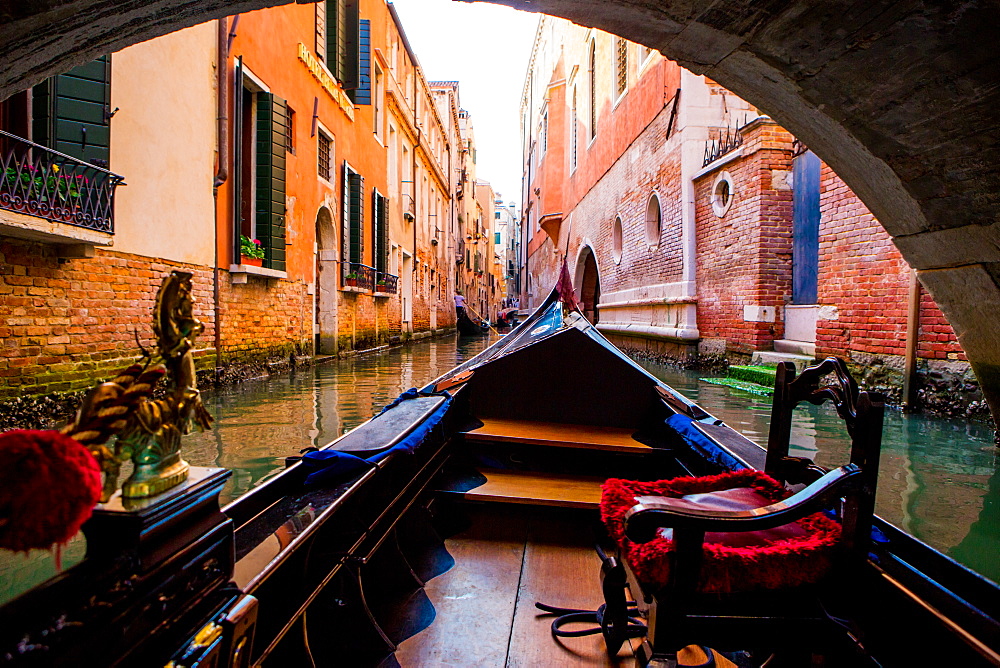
938,479
259,423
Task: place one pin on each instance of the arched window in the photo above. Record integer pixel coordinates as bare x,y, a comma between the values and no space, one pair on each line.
653,221
616,240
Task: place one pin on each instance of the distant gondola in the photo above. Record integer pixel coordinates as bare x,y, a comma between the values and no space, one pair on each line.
336,549
469,327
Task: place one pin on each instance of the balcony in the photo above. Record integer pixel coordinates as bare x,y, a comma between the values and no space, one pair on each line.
385,284
358,277
37,182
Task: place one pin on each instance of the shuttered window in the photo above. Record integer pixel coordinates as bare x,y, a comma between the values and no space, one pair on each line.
621,65
362,93
593,89
70,112
380,231
348,48
342,40
354,216
572,135
260,142
320,46
271,144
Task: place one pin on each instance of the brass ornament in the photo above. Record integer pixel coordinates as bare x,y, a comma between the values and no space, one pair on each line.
149,430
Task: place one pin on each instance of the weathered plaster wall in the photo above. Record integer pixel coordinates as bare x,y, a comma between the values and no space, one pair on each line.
162,142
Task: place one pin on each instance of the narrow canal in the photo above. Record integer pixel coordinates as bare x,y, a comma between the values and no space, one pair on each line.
938,478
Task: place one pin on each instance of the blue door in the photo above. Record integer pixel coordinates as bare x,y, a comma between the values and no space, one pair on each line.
805,228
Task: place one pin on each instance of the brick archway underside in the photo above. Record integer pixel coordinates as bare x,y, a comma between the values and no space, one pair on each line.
901,98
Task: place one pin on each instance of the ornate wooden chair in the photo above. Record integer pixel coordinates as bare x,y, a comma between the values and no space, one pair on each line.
739,560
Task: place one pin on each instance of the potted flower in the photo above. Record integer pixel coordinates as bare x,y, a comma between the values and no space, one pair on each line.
380,284
351,280
250,251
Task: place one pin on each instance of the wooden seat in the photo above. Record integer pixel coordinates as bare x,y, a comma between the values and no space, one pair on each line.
540,489
609,439
763,595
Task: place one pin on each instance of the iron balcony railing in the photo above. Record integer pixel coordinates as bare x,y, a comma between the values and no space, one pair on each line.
386,283
357,275
729,139
37,181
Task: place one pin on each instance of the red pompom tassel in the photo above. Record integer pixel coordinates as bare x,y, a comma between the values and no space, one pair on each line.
49,484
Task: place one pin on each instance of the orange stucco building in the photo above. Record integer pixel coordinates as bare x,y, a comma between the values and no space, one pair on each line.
294,160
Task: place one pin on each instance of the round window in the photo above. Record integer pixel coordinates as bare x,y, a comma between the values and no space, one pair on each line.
723,193
653,220
616,240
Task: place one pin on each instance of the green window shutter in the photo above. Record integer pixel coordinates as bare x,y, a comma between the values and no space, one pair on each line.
71,111
362,90
383,255
356,202
380,230
272,130
321,28
345,215
350,47
341,34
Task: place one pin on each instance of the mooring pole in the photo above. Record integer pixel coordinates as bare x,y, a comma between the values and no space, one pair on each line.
910,402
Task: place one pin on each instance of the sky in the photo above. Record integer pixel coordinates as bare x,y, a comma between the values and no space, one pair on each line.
485,48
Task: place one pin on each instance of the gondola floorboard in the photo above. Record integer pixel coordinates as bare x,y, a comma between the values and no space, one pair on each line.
486,616
538,489
609,439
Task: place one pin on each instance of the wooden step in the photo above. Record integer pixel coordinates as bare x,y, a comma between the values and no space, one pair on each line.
540,489
611,439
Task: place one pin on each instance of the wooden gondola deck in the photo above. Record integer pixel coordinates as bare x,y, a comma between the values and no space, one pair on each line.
539,489
609,439
506,560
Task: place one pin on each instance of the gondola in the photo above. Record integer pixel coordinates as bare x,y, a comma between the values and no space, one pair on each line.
468,327
415,538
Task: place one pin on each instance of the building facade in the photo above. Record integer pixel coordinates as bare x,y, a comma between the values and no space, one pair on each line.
294,160
692,226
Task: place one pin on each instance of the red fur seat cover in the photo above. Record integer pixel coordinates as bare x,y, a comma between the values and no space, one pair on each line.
796,554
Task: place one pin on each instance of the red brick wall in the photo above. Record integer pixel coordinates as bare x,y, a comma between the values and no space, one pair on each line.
865,277
65,325
644,168
744,258
264,318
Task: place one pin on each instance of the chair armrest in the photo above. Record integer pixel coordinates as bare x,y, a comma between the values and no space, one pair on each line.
652,513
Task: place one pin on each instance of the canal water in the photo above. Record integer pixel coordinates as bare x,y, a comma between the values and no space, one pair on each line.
938,478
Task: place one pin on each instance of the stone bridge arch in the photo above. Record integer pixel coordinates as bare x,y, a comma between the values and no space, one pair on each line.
899,97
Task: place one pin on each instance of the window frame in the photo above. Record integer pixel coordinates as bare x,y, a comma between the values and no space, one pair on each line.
321,133
620,60
653,240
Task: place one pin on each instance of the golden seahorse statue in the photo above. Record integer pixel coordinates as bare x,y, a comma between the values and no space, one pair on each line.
149,430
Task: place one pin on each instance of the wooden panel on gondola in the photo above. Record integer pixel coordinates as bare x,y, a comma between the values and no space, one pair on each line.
538,489
610,439
566,378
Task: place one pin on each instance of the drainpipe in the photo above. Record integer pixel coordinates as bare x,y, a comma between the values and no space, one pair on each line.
222,115
912,336
222,169
413,186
